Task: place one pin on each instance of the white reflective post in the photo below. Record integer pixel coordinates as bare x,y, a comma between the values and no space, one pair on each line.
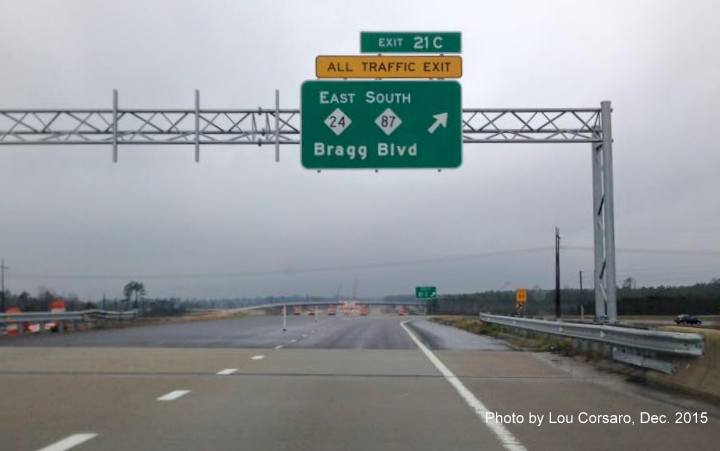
284,315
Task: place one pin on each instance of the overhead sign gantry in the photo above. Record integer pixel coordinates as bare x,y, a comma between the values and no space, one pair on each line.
196,126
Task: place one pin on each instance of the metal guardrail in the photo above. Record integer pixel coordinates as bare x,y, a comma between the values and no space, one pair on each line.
673,343
109,314
78,315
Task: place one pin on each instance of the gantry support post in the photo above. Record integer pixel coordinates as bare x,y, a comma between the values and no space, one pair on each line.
115,126
604,221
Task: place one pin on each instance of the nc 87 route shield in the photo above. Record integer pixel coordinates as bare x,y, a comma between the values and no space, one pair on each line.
381,124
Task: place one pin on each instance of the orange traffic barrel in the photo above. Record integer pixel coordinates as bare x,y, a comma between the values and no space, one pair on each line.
56,306
13,329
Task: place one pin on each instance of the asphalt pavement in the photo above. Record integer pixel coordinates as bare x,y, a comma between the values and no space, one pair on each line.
354,383
327,332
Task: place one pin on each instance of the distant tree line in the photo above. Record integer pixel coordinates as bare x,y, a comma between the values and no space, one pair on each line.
698,299
41,301
134,298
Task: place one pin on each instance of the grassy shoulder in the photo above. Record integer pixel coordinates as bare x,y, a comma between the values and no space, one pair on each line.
467,323
699,378
525,342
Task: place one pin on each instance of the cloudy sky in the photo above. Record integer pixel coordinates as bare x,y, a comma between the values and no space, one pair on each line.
69,211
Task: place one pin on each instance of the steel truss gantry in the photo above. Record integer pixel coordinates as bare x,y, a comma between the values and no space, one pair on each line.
277,126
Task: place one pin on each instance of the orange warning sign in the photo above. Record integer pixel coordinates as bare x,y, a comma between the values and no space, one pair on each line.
521,295
384,66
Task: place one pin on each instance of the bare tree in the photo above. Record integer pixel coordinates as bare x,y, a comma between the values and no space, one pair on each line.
134,288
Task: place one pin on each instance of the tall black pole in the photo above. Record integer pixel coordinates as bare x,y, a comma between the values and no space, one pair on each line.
557,273
581,282
580,298
2,285
581,293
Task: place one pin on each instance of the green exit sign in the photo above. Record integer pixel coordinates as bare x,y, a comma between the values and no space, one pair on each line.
409,42
426,292
380,124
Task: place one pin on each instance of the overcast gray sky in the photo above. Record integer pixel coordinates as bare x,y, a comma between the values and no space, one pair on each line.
70,211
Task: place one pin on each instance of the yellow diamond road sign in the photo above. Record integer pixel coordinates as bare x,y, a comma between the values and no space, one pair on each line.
386,66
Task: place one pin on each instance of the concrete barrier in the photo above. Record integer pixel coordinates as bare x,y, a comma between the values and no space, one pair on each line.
696,376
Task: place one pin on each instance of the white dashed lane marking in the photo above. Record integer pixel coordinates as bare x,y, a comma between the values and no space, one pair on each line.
70,442
258,357
279,347
227,371
173,395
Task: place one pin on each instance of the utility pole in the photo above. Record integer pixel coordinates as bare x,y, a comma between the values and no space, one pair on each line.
2,285
557,273
580,296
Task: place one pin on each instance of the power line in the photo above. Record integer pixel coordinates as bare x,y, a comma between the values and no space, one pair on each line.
628,250
358,266
268,272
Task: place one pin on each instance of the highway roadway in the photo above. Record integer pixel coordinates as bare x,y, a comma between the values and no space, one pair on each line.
350,383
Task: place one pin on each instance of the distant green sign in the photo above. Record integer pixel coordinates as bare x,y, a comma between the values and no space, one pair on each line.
409,42
380,124
426,292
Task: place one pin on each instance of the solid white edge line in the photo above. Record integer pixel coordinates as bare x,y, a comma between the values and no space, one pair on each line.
506,438
173,395
227,371
70,442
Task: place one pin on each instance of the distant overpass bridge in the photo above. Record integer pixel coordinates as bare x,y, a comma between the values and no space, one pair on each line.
307,302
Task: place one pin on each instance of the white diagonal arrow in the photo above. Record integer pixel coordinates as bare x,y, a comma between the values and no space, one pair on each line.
440,119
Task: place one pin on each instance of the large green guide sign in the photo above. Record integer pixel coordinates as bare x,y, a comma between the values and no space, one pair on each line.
381,124
409,42
425,292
